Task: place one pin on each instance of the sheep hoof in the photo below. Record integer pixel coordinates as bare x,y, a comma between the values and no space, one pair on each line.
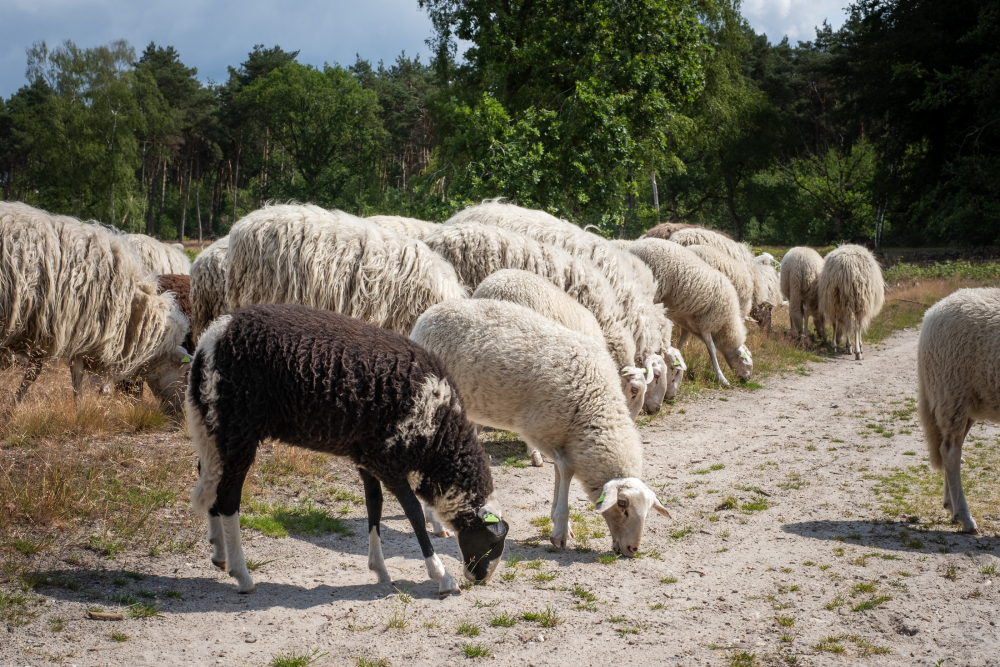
449,592
857,356
221,564
974,531
249,591
558,542
536,459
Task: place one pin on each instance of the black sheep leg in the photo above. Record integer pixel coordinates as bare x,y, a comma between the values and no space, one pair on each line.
414,512
373,503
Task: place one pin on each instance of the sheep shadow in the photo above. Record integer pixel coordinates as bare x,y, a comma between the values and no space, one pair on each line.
902,537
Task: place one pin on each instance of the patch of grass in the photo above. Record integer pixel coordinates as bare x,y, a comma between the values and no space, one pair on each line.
544,525
834,603
547,619
830,644
475,651
57,624
542,577
372,662
989,569
123,599
668,580
305,519
253,564
296,659
871,603
951,572
503,620
173,594
467,629
863,587
678,534
607,559
785,621
118,637
759,504
743,659
144,610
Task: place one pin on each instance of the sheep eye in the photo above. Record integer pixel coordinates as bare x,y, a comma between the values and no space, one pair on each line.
622,504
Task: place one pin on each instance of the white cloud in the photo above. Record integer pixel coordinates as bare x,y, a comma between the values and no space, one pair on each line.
798,19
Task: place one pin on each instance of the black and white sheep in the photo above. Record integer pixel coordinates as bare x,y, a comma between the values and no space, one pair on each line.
208,286
851,293
499,355
78,293
958,376
700,300
329,259
800,271
334,384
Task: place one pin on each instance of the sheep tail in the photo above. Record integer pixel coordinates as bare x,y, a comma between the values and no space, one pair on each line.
932,433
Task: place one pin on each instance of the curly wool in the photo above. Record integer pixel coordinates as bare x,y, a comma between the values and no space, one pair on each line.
702,236
698,297
477,250
158,257
767,283
69,290
208,286
336,261
740,274
665,230
499,355
631,281
800,271
333,384
851,289
409,227
180,285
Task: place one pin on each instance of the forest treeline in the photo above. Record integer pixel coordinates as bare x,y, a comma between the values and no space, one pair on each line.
614,114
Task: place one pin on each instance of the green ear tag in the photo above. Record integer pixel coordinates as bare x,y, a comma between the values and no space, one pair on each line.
491,518
676,363
186,359
601,499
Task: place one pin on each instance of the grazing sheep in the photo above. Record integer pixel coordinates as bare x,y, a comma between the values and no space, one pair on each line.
159,257
333,260
532,291
208,286
499,356
78,292
740,274
701,301
630,279
409,227
959,383
621,244
851,293
477,250
701,236
766,290
665,230
333,384
800,271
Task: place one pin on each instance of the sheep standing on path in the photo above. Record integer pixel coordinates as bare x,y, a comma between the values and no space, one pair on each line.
159,257
701,301
329,259
78,293
208,286
800,271
333,384
958,375
500,357
851,293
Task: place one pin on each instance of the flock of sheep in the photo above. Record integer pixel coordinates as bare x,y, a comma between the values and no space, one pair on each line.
390,341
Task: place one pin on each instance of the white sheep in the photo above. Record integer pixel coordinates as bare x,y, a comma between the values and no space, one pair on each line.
410,227
851,293
958,376
78,293
701,301
158,257
332,260
701,236
499,356
477,251
532,291
630,279
208,286
741,274
800,271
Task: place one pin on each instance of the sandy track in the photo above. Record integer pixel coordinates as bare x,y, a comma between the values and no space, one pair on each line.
731,573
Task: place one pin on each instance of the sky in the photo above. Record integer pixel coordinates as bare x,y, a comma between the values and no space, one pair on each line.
211,34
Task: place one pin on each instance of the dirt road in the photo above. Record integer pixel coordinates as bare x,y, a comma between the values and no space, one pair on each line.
807,570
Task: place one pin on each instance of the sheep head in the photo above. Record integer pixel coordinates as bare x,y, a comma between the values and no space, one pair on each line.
741,361
482,546
168,378
625,502
634,381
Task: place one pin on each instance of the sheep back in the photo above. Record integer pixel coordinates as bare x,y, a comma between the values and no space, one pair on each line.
409,227
740,274
702,236
208,286
851,289
159,257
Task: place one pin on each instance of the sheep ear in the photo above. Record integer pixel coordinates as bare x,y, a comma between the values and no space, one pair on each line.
660,508
608,497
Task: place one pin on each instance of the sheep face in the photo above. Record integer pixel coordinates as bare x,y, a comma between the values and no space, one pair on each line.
168,379
740,361
634,387
625,503
483,546
667,374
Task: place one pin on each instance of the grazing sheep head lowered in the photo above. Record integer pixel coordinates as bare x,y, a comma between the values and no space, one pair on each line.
634,381
483,547
741,361
667,373
625,503
168,378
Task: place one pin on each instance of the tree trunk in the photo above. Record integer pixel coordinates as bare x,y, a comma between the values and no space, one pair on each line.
151,211
656,193
163,193
197,197
186,189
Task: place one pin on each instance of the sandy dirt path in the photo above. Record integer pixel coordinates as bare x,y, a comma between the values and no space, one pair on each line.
736,571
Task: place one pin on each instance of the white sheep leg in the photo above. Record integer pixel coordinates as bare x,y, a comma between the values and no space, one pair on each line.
715,360
217,539
376,563
795,316
436,571
947,491
952,454
235,559
561,531
437,528
858,352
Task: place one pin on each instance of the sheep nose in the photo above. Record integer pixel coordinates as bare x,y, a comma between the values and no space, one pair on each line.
631,551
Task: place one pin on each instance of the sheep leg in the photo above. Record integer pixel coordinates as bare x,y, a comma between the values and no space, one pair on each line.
707,337
536,457
858,353
795,314
216,538
683,339
227,505
373,503
30,375
435,568
561,531
77,375
952,455
438,528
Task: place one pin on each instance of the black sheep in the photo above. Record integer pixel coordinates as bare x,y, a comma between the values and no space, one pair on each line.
334,384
